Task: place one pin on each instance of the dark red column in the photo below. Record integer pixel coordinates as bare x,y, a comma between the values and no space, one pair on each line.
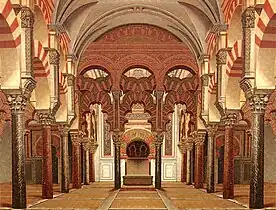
228,173
199,169
92,167
47,179
184,167
76,160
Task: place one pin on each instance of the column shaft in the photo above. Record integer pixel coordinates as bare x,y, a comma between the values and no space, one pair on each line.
65,164
210,164
76,168
117,163
47,179
158,166
228,173
257,175
199,166
92,168
184,167
18,161
86,156
189,168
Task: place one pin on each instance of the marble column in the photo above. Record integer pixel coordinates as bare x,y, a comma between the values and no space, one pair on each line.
64,159
184,167
117,159
92,163
182,149
211,129
228,173
189,147
158,163
258,104
76,159
86,147
17,104
46,120
199,162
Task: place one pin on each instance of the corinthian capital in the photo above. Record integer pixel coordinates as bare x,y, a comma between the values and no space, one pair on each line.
46,118
248,18
17,103
212,129
258,102
229,119
27,17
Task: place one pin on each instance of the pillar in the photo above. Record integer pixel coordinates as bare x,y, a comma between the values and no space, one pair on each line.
117,159
17,104
46,120
92,162
189,148
64,159
211,129
76,159
258,105
184,167
158,163
199,161
86,147
228,173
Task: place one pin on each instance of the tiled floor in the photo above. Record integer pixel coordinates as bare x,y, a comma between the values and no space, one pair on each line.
34,193
186,196
241,193
97,195
88,197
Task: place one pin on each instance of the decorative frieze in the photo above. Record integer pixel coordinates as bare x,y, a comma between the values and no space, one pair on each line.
168,139
107,139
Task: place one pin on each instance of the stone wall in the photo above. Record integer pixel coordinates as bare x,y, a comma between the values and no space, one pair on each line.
5,154
269,155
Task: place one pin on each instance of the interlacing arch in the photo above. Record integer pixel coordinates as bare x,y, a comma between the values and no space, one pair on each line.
46,7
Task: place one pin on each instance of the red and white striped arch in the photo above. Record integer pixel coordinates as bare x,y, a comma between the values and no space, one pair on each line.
64,41
211,40
229,7
46,7
9,26
62,84
266,25
41,64
213,84
234,60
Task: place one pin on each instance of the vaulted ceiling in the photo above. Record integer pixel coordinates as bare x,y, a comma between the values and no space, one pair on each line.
86,20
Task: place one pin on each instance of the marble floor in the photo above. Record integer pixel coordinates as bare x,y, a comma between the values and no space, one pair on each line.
174,195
